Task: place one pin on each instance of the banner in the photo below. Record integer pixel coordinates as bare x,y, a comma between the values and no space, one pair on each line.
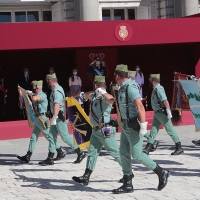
179,99
28,106
192,91
80,123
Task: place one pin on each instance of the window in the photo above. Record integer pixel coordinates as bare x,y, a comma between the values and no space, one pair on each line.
20,16
29,16
106,15
131,13
119,14
5,16
32,16
47,16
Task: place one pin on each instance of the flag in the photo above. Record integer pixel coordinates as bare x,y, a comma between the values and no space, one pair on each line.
179,97
28,106
192,91
80,123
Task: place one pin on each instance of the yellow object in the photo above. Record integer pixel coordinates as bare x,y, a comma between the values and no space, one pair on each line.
79,124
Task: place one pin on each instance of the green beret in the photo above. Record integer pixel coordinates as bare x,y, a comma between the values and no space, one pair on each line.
132,72
50,76
122,68
155,76
37,83
100,79
34,83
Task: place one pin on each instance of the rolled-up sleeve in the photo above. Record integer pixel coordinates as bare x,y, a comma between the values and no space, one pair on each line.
133,93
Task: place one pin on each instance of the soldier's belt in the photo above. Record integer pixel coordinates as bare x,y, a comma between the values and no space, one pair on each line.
40,114
101,126
125,120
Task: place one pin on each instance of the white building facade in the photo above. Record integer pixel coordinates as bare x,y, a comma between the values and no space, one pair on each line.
94,10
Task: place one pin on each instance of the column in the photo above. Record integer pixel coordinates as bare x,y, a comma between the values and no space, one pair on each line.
190,7
89,10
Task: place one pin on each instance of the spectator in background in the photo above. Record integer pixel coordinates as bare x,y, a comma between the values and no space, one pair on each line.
25,80
75,86
51,70
139,78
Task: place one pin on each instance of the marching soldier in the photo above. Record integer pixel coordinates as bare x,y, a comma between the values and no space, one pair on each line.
134,128
131,75
41,124
58,123
103,134
162,115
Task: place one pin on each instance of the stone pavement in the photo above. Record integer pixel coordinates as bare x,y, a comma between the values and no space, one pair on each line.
30,181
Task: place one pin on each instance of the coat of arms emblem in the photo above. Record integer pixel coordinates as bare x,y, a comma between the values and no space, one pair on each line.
123,32
97,66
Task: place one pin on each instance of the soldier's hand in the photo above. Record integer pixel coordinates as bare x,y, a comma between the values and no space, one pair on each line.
143,128
29,92
101,91
53,120
169,114
82,95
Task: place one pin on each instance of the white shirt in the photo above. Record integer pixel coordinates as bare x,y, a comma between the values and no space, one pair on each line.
77,81
26,77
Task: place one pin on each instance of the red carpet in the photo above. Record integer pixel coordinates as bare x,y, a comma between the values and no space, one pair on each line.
20,129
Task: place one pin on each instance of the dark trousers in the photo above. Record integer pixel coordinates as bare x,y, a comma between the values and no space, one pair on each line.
1,113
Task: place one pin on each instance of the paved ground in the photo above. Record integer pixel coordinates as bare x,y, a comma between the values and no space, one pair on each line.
30,181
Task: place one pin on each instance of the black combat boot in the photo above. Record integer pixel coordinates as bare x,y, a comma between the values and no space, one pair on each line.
81,155
83,179
48,161
60,154
178,149
127,186
196,142
25,158
122,179
155,145
148,148
162,175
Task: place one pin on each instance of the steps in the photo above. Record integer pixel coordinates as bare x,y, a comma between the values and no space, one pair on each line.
22,130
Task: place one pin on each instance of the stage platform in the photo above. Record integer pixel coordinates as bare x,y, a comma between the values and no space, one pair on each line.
20,129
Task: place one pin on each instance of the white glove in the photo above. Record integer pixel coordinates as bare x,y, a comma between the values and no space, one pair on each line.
53,120
29,92
169,114
101,91
82,95
143,128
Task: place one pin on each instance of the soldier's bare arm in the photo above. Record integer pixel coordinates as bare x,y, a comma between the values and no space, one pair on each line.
141,110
